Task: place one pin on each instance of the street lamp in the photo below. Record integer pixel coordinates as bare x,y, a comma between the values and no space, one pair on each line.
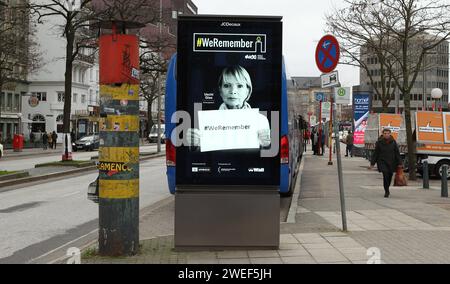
436,94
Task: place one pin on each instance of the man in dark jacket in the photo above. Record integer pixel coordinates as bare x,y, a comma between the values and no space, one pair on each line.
387,157
349,141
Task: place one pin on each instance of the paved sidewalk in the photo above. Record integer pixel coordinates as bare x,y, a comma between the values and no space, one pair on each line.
412,226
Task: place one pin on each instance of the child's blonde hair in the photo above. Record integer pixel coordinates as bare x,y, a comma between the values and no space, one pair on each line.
241,74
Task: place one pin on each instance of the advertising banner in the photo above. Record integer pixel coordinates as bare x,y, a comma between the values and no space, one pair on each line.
446,126
229,74
430,128
361,107
392,122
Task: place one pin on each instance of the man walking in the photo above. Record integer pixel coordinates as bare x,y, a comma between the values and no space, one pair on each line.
387,157
44,141
54,138
349,141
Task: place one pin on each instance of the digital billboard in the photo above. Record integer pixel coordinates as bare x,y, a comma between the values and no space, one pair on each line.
229,72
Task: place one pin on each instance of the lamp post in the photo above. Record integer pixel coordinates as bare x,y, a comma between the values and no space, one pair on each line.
436,94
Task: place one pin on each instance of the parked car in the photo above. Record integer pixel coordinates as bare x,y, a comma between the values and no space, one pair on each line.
93,191
88,143
1,150
153,136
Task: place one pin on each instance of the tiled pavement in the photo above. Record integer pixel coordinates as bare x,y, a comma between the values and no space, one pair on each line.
413,226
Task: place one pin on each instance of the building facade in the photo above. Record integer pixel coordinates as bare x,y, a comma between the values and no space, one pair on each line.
434,73
43,105
14,28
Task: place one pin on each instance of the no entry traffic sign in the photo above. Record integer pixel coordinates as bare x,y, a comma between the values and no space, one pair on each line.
327,54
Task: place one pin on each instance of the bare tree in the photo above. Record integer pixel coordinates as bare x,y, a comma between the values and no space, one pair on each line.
157,45
77,19
74,27
19,54
363,37
409,29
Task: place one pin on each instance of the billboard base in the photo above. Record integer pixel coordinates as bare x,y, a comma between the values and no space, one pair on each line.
227,219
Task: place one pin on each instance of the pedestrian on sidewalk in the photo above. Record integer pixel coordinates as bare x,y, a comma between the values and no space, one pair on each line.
322,141
44,140
305,139
54,138
32,139
50,140
387,157
349,141
314,141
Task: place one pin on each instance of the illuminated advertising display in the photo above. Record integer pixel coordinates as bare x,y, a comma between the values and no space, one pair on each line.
229,81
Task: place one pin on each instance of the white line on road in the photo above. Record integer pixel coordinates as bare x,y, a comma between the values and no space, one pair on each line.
60,247
70,194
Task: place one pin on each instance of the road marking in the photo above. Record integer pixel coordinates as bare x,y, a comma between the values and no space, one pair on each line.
60,247
70,194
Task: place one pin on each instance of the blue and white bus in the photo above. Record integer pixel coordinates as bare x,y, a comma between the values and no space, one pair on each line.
291,141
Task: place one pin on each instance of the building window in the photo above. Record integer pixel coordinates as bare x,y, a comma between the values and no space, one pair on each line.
38,124
9,102
41,96
17,103
75,97
59,123
83,99
61,97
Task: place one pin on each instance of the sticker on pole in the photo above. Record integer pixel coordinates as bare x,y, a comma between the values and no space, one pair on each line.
330,79
327,54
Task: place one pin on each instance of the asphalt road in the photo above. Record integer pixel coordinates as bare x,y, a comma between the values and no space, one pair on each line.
38,218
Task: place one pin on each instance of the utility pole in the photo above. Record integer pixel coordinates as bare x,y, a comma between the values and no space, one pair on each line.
119,141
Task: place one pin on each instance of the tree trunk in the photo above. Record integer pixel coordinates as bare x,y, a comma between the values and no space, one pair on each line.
149,115
409,140
68,82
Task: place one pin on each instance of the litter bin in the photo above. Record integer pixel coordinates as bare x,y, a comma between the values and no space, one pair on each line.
18,143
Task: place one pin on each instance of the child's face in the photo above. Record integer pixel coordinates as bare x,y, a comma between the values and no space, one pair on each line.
234,92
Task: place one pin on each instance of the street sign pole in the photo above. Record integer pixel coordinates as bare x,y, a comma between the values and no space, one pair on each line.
340,175
327,59
319,140
330,162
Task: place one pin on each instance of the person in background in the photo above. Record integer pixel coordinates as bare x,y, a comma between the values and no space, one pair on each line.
349,141
54,138
49,140
387,157
322,142
32,138
314,141
44,141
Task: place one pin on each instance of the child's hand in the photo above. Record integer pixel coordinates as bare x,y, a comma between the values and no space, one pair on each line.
264,137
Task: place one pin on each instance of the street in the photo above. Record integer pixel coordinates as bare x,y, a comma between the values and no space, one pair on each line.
33,214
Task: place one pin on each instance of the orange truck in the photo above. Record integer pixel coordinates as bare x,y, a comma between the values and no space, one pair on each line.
431,135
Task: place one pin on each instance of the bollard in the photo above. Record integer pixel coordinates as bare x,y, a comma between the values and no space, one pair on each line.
444,185
426,176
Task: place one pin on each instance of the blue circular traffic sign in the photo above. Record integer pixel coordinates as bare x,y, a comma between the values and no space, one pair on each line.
327,54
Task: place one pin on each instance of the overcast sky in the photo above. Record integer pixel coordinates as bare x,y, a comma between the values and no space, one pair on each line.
303,26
